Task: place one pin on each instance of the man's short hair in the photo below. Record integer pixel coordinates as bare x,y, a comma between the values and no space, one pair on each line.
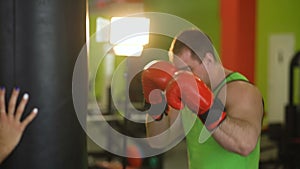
198,42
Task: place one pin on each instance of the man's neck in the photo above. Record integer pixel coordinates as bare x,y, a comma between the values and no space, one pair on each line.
219,75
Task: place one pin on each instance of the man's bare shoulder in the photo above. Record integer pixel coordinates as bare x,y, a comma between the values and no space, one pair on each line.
242,94
242,88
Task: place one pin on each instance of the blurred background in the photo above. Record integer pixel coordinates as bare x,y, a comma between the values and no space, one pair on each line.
42,41
257,38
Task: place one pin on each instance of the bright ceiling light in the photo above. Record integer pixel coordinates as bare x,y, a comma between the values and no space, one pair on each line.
132,33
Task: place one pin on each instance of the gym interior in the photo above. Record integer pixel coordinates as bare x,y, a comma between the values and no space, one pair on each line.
89,93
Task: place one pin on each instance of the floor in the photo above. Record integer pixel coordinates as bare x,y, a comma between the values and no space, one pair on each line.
176,157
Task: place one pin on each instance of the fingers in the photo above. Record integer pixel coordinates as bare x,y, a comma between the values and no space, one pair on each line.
21,106
29,118
14,113
2,100
13,101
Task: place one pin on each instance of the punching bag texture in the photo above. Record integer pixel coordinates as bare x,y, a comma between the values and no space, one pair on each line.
39,43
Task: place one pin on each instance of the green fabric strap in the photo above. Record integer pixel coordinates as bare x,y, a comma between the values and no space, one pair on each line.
234,76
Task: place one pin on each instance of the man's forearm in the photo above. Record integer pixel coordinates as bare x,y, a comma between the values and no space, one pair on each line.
164,132
237,135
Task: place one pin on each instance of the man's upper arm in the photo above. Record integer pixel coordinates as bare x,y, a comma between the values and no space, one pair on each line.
245,103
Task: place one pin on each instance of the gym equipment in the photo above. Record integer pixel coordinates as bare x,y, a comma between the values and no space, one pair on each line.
292,117
40,42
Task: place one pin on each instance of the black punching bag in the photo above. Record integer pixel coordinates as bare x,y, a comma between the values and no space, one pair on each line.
39,43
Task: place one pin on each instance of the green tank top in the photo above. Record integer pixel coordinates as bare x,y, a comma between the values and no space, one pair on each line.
209,154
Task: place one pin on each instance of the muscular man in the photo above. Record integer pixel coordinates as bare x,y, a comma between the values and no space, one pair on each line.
222,101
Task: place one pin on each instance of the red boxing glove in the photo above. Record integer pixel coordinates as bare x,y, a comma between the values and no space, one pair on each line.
155,78
188,89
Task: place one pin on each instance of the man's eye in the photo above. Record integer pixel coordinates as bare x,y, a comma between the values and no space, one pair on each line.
185,68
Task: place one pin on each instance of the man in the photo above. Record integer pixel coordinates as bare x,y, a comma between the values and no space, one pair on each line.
11,128
221,101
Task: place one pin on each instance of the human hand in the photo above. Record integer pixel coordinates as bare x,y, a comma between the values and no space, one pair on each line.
11,126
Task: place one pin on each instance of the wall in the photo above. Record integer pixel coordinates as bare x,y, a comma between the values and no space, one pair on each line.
238,36
207,18
102,63
273,16
202,13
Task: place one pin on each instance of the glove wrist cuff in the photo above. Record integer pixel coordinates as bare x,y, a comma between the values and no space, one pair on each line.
214,116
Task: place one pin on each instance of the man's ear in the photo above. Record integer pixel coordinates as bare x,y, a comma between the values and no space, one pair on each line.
208,59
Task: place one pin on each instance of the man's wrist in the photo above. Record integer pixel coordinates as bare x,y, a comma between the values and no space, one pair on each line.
213,117
158,117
